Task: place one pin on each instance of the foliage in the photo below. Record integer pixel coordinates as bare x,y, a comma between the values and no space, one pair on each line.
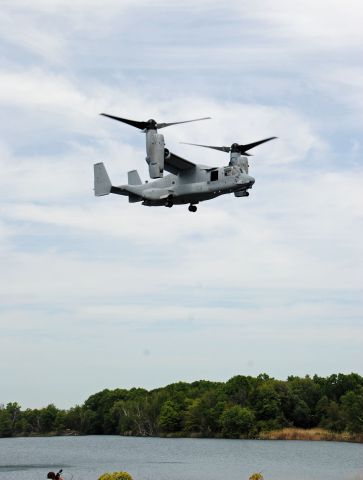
170,417
237,421
352,410
244,406
115,476
256,476
203,414
5,424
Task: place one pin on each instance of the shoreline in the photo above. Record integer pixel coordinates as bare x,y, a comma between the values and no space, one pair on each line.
311,434
287,434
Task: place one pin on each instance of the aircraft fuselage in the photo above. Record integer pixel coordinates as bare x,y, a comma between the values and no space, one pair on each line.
202,183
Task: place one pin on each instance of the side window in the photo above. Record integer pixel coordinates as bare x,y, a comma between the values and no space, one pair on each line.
213,175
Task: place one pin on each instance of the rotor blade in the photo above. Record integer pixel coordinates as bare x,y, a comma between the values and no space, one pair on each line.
221,149
244,148
133,123
163,125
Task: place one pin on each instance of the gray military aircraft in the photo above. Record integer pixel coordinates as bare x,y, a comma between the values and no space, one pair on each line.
187,182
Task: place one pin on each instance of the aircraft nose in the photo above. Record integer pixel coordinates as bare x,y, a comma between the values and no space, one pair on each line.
252,180
246,180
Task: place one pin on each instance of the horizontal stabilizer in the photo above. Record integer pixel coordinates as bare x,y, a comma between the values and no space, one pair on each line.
103,184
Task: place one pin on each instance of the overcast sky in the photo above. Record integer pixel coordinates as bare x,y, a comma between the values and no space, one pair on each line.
99,293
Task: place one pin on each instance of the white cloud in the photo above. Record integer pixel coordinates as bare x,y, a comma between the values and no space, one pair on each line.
36,88
345,85
284,243
310,24
35,37
281,269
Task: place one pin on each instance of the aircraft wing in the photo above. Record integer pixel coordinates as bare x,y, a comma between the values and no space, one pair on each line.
175,164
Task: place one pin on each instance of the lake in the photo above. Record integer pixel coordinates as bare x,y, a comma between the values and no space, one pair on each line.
179,459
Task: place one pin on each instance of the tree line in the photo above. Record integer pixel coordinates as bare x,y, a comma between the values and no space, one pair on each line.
242,407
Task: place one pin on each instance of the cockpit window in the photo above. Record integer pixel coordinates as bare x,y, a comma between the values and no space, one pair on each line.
213,175
228,171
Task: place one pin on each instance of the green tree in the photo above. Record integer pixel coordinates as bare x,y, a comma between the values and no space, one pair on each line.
203,413
337,385
203,407
32,420
334,419
60,421
321,410
89,422
301,414
47,418
287,402
5,424
352,411
73,419
170,417
14,411
239,389
307,390
267,402
136,417
237,421
101,403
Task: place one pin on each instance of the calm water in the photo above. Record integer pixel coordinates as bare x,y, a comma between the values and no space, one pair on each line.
179,459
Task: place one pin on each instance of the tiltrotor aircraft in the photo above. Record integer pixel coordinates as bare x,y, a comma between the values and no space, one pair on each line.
187,182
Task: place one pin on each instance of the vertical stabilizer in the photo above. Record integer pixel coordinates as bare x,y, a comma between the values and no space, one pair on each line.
101,180
133,178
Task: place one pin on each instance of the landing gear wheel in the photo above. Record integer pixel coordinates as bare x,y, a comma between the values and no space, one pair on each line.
169,202
192,208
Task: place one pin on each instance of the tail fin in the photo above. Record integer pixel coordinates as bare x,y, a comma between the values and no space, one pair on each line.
133,178
102,180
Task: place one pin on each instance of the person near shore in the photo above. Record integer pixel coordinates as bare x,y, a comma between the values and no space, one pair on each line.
54,476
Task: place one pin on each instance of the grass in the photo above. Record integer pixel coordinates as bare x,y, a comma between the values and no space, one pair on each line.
315,434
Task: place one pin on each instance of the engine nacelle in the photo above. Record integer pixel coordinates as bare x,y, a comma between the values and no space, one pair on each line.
242,193
155,145
238,161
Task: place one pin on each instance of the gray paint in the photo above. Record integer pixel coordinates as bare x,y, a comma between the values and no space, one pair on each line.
155,146
187,183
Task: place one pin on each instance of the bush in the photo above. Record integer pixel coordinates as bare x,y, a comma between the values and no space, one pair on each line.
115,476
256,476
237,421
